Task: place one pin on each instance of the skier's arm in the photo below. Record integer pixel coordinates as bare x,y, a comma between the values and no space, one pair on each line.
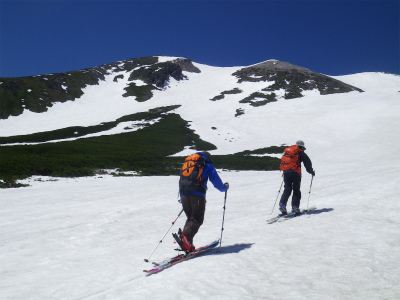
216,180
307,163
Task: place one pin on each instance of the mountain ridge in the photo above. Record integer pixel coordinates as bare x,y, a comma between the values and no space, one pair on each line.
39,93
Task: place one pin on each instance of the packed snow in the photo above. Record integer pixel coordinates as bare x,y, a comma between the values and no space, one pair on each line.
87,238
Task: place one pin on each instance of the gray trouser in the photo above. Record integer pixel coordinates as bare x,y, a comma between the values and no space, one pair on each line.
194,207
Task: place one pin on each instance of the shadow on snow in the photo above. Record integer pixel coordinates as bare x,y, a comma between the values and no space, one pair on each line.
319,211
230,249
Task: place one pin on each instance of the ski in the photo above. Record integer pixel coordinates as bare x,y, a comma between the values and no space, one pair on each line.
158,267
275,219
282,218
292,215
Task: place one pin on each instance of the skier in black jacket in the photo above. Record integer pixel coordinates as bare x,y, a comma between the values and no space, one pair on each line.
291,167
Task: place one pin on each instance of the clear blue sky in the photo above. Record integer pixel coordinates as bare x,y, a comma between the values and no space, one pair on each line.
327,36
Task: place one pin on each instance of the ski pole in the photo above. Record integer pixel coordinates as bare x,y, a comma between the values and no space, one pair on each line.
277,198
309,192
147,259
223,219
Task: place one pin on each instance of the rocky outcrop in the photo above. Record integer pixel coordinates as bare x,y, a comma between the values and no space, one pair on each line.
186,65
157,74
292,79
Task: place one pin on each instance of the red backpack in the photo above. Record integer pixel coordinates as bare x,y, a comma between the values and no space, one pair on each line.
290,159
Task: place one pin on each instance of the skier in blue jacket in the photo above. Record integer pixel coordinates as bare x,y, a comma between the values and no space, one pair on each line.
194,202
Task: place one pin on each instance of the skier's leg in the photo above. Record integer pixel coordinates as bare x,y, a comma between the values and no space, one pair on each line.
296,190
196,218
187,207
287,189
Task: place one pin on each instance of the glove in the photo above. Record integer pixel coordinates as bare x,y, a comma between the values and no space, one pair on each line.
312,173
227,185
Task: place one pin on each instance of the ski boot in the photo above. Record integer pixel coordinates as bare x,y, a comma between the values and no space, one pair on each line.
296,210
282,208
188,246
183,242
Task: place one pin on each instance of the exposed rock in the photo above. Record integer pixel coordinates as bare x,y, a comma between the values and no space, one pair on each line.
186,65
222,95
291,78
239,112
157,74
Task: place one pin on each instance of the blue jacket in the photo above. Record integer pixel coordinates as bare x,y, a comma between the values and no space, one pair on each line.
209,172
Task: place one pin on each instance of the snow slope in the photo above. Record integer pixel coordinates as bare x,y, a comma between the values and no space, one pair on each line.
86,238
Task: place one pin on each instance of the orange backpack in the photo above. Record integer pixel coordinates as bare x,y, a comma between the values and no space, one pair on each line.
190,177
290,159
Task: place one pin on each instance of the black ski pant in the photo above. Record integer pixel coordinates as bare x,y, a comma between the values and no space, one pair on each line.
194,207
292,183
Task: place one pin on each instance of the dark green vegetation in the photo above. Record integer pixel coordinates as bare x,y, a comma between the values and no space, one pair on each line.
142,93
244,160
145,151
37,93
77,131
267,150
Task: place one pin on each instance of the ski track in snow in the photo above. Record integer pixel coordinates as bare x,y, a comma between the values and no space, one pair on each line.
86,238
